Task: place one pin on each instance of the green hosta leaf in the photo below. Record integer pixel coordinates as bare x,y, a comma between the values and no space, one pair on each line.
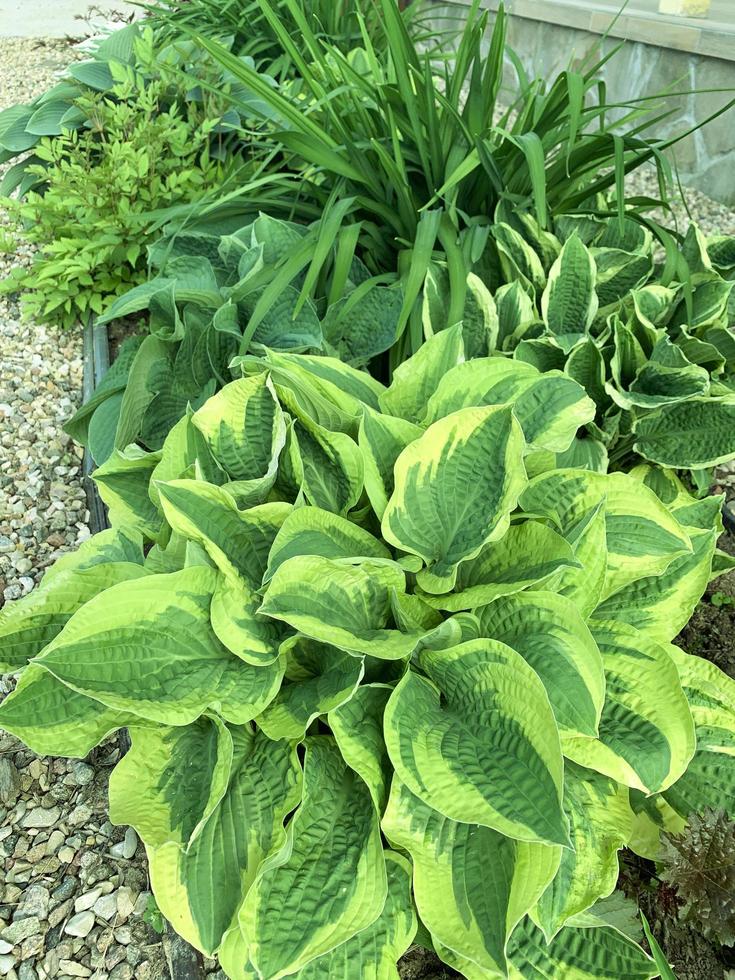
470,706
313,531
342,604
201,889
552,637
454,490
694,434
53,719
147,647
643,538
282,328
646,736
416,379
357,725
122,481
479,319
363,329
653,304
569,301
27,627
526,555
591,952
245,429
662,605
238,624
618,272
518,260
330,871
171,780
374,952
550,407
150,372
318,679
382,439
238,542
333,474
123,544
472,885
709,780
515,309
601,821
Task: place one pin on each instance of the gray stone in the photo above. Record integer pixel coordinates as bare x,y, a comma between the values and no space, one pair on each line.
87,900
40,817
27,971
36,901
7,963
9,781
17,931
80,924
106,907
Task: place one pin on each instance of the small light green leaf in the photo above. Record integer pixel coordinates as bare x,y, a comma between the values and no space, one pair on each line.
331,865
238,624
569,301
122,481
333,474
357,725
455,488
472,885
415,380
469,706
382,439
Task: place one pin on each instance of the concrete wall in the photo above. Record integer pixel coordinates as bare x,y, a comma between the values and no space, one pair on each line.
706,159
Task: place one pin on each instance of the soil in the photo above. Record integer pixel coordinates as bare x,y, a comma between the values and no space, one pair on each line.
421,964
710,632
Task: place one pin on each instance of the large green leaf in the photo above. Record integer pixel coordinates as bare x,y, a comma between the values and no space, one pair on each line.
147,647
27,627
123,481
200,889
357,725
416,379
472,885
569,301
333,473
646,736
455,488
330,872
692,434
550,407
171,779
238,624
551,636
476,740
526,555
340,603
382,439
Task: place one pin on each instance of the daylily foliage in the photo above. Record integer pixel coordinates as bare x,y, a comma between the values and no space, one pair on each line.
384,662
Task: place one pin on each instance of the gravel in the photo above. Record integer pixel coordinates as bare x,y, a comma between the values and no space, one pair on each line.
73,888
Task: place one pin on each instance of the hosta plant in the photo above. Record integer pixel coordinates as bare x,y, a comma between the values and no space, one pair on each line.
376,674
651,342
211,298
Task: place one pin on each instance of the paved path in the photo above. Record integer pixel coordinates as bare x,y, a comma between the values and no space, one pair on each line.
56,18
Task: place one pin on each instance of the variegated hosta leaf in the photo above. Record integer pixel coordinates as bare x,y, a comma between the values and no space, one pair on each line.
600,822
171,779
333,472
569,301
357,725
476,740
330,872
455,489
313,531
339,603
112,545
245,430
651,816
646,736
373,953
318,678
27,627
238,542
382,439
526,555
238,624
689,435
416,379
578,952
552,637
200,889
643,537
709,780
122,482
550,407
53,719
147,647
661,605
472,885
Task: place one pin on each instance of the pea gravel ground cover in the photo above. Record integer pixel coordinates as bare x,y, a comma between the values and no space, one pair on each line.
73,889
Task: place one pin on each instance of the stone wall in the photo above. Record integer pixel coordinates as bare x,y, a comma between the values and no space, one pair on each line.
706,159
